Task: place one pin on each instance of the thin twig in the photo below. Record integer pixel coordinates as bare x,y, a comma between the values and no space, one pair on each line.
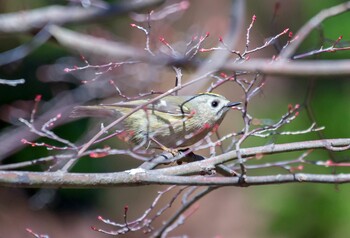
310,25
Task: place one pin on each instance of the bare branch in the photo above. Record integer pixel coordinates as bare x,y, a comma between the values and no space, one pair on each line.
166,175
86,44
116,50
25,49
12,82
76,180
301,68
312,24
177,216
30,231
24,21
144,222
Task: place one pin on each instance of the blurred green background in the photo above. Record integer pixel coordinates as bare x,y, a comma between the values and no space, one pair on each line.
288,210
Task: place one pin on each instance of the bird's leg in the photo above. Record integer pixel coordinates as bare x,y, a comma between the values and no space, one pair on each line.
174,152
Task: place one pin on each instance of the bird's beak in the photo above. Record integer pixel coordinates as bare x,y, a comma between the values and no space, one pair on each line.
233,104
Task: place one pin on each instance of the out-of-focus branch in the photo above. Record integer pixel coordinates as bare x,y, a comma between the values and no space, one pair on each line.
216,59
25,49
301,68
86,44
25,21
12,82
140,176
312,24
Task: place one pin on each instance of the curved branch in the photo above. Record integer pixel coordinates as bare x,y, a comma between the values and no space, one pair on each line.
24,21
25,49
87,44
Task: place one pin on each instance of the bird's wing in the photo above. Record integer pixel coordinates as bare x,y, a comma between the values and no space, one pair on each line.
94,111
169,105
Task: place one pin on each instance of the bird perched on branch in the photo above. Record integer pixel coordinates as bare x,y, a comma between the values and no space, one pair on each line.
173,122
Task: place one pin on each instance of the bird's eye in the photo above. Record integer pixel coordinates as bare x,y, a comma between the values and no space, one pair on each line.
214,103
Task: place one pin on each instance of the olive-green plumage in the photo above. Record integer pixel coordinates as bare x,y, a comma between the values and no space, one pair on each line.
173,121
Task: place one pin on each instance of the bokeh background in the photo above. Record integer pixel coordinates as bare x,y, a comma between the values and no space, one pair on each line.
288,210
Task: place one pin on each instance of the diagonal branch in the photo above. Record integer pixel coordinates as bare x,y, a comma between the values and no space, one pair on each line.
310,25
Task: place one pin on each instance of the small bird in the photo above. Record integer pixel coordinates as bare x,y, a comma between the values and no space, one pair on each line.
173,122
